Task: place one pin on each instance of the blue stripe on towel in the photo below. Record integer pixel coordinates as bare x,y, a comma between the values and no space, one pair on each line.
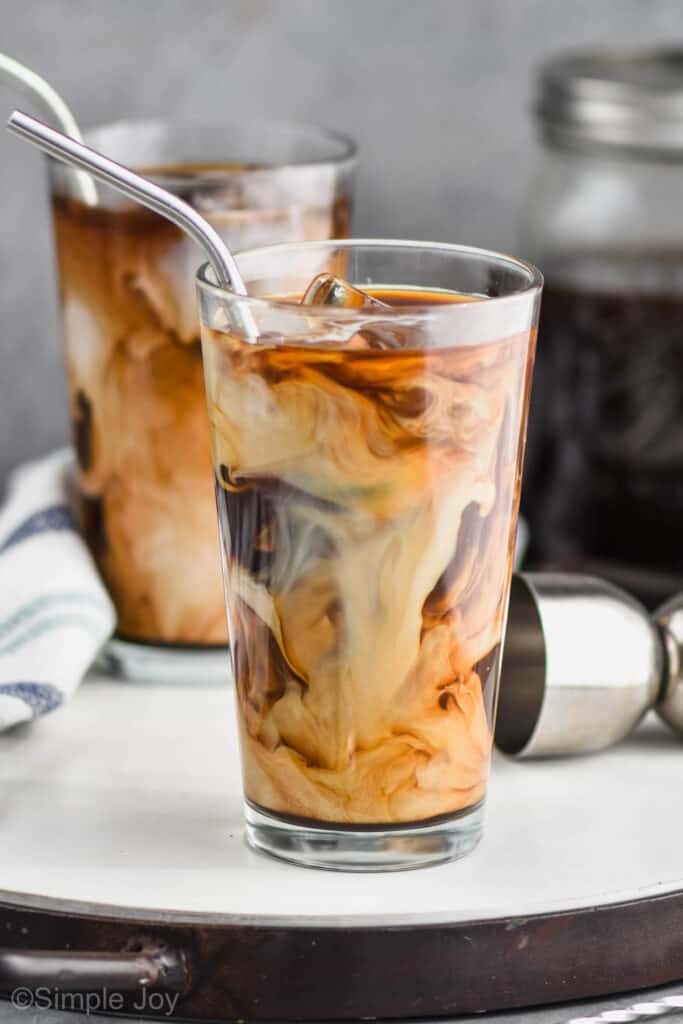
49,625
33,608
56,517
40,697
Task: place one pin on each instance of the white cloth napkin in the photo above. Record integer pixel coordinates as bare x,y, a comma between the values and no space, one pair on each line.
55,613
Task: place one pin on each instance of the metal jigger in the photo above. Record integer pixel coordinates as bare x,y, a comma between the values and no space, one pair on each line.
582,663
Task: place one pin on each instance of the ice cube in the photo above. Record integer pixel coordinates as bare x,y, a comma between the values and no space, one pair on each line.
381,335
328,290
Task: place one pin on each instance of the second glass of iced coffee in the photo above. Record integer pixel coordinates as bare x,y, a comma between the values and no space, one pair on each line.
134,362
367,466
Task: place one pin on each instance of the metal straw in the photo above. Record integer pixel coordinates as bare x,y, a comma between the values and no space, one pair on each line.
136,187
18,75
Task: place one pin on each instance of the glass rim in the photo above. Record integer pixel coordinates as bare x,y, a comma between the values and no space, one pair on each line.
533,286
346,148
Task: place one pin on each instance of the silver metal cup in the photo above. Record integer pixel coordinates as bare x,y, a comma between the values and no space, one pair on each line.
670,706
582,663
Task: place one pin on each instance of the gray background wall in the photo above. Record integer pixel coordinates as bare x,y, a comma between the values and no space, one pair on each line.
437,93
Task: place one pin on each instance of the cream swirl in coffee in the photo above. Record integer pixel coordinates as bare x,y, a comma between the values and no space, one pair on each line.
366,494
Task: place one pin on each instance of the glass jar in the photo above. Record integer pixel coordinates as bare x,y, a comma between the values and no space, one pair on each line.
604,222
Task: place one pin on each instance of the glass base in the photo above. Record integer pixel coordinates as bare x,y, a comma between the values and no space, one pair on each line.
342,848
159,663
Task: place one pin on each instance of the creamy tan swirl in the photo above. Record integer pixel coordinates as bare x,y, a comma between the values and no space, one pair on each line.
136,388
366,502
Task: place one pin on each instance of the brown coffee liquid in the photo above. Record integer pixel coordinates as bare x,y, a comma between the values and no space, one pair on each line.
195,170
411,297
366,498
136,389
605,471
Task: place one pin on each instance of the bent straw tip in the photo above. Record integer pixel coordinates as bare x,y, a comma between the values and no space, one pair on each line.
32,128
15,118
20,123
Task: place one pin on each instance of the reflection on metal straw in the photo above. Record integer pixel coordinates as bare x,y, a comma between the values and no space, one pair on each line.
40,91
135,187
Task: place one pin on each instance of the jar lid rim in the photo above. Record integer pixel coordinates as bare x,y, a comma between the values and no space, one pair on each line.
623,98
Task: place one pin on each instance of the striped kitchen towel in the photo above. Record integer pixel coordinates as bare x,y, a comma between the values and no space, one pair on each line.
55,613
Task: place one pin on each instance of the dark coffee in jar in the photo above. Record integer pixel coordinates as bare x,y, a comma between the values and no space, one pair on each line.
605,472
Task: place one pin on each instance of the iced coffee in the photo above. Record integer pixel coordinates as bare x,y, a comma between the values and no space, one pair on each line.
133,353
367,471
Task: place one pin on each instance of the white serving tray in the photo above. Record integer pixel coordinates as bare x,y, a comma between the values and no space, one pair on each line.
125,805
